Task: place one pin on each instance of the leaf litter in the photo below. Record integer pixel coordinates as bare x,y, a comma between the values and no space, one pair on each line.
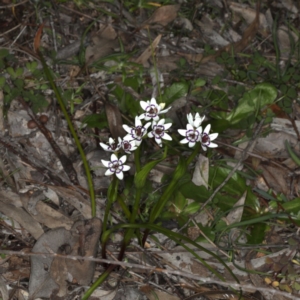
38,160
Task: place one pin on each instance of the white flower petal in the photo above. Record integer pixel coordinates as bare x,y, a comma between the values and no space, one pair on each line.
165,110
120,175
207,128
213,136
203,147
158,141
192,144
189,127
142,116
108,172
111,141
182,131
212,145
184,141
123,159
146,126
113,157
127,128
167,126
143,105
167,137
161,122
137,121
153,101
104,146
126,168
150,134
105,163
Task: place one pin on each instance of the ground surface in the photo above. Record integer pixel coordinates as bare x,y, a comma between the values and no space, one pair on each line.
236,62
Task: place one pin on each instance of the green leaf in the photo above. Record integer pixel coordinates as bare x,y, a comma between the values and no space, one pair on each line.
2,82
96,120
253,101
179,202
292,154
192,191
31,66
3,53
19,83
257,233
208,232
174,92
11,72
292,206
199,82
191,208
141,176
19,72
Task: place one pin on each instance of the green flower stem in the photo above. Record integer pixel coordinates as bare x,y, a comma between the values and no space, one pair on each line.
137,159
178,173
73,132
136,205
194,153
111,197
99,281
124,206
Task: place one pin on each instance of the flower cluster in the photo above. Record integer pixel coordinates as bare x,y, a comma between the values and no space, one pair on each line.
194,133
158,130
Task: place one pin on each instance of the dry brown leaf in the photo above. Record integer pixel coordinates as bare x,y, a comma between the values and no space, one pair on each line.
75,199
43,213
200,175
104,44
249,14
236,47
114,119
163,15
142,59
275,178
236,213
102,48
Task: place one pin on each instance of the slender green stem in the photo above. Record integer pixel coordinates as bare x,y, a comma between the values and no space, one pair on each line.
136,205
99,281
124,206
137,159
74,134
193,154
111,198
157,209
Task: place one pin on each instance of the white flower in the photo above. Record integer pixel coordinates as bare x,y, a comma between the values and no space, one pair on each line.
195,122
159,131
128,144
152,110
205,138
192,135
115,166
112,146
138,132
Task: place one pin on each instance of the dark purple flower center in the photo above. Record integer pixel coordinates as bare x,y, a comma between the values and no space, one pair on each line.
113,146
126,145
152,111
205,139
159,130
138,132
116,166
192,135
